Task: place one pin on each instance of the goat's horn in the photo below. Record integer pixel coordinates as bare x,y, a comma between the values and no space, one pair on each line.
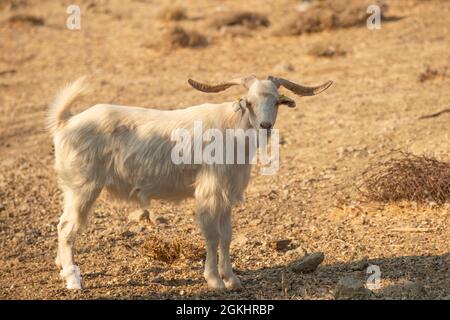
299,89
246,82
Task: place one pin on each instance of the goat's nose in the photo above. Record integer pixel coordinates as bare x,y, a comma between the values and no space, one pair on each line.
266,125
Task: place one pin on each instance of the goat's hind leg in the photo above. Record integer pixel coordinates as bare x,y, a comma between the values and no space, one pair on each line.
77,204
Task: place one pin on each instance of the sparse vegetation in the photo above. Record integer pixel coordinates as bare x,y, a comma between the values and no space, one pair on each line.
248,20
26,19
387,81
172,13
327,50
326,15
178,37
430,73
170,251
405,176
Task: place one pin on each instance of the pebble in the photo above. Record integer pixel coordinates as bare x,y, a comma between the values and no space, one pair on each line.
280,245
128,234
284,67
408,289
361,265
351,288
139,215
157,219
308,263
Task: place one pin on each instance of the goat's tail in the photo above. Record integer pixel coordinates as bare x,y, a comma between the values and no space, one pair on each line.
59,112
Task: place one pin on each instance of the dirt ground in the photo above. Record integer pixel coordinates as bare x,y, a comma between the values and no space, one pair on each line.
383,85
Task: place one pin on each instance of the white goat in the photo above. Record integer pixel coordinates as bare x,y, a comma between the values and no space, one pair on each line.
127,150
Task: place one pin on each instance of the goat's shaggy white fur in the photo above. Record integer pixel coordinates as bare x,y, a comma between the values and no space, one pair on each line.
127,151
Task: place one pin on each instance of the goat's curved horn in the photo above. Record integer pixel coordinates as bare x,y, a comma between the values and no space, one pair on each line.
246,82
299,89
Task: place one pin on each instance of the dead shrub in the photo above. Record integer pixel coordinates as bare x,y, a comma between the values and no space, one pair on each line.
176,249
13,4
326,50
178,37
172,14
25,19
431,73
248,20
327,15
405,176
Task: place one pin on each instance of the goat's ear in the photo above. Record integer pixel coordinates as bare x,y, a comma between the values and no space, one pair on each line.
287,101
240,104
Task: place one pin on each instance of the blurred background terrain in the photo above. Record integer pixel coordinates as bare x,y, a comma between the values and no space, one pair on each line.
391,92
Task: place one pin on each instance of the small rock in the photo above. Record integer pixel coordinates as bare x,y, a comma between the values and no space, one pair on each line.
2,207
414,288
139,215
351,288
240,240
308,263
280,245
20,235
255,222
295,253
361,265
273,194
137,229
407,289
24,208
341,152
283,67
128,234
286,194
157,219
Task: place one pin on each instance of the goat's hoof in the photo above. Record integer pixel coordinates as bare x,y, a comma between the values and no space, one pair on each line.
72,276
233,283
216,284
74,284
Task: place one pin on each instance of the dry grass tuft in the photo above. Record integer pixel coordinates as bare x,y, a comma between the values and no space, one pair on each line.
327,15
169,251
178,37
248,20
405,176
172,13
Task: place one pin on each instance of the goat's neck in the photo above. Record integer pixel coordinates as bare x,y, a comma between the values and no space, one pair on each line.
238,120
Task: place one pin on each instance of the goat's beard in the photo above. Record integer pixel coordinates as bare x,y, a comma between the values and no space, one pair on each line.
263,134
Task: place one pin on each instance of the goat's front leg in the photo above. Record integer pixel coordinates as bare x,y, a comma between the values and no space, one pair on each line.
209,224
225,269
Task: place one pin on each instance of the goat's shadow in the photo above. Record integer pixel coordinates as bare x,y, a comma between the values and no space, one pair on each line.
431,272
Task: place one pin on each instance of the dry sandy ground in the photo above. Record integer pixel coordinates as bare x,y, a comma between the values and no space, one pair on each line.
328,141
